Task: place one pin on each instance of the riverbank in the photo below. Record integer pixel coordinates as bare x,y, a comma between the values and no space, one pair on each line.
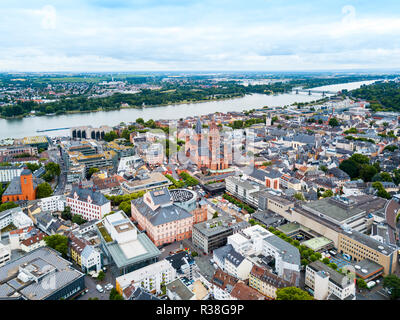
23,127
30,115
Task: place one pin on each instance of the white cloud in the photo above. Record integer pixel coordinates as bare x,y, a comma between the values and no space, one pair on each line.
98,40
49,20
48,15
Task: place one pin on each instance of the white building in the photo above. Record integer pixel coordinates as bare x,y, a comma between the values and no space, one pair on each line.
5,254
21,220
88,203
34,242
327,283
16,217
151,277
90,258
242,189
129,164
122,233
52,204
257,240
232,262
8,173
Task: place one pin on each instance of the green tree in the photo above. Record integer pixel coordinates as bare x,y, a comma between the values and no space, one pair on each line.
43,190
350,167
332,265
299,196
7,205
215,215
33,166
91,171
101,275
53,168
367,172
58,242
76,218
381,190
333,122
114,295
325,260
110,136
385,176
392,282
313,257
323,168
126,207
66,214
361,283
360,158
292,293
327,194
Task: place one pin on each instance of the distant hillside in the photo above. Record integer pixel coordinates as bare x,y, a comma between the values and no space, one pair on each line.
383,96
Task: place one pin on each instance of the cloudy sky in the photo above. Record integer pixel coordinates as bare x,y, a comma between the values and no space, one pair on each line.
140,35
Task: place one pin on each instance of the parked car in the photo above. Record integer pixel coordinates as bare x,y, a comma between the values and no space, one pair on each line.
99,288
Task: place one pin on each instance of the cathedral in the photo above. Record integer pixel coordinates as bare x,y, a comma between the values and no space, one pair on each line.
208,150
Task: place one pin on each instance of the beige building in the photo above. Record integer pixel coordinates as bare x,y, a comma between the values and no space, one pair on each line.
360,246
266,282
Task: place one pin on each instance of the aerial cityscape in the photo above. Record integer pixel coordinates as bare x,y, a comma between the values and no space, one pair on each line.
214,179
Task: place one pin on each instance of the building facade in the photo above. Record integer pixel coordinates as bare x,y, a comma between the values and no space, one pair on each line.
88,203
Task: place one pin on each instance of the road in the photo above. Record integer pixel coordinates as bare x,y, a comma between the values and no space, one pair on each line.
202,261
54,156
376,293
91,283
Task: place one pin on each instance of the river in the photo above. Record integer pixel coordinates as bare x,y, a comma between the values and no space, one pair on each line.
19,128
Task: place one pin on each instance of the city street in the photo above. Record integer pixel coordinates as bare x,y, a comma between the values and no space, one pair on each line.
376,293
91,283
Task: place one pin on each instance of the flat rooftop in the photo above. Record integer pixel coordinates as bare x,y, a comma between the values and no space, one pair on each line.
153,177
37,262
214,226
134,251
317,243
332,210
336,277
369,242
340,209
124,227
366,268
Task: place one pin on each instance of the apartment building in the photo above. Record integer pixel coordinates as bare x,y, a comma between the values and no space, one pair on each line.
16,217
232,262
222,285
256,240
5,254
327,283
150,278
84,254
53,204
8,173
264,281
244,190
34,242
